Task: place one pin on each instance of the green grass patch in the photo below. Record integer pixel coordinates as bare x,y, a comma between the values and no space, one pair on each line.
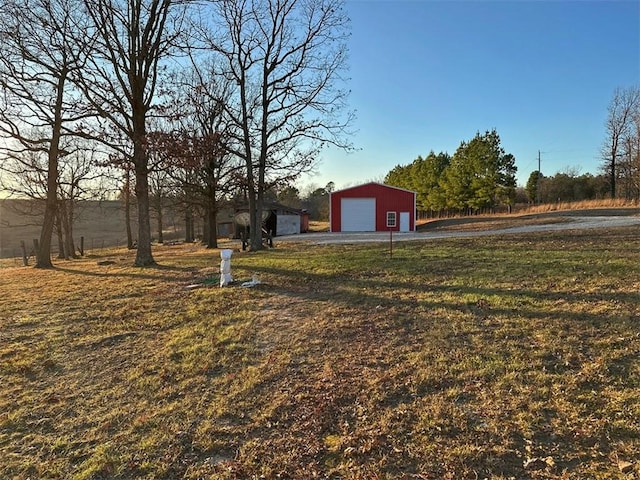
489,357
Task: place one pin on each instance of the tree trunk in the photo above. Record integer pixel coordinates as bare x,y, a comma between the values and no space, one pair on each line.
127,207
160,223
256,239
255,228
188,226
61,248
70,215
69,247
143,253
25,259
211,213
140,161
612,171
43,253
212,227
255,211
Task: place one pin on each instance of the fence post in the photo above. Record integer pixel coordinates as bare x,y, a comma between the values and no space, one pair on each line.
25,259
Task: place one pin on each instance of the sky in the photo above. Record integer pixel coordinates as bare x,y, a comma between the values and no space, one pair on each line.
428,74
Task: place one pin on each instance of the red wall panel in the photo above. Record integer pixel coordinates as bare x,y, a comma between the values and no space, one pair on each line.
388,199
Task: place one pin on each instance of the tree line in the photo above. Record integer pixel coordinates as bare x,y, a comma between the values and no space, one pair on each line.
479,177
566,186
200,101
620,153
621,148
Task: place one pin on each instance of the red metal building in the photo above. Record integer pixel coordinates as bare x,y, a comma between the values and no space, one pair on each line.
372,207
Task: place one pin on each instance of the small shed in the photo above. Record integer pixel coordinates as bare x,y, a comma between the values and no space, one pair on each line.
278,219
372,207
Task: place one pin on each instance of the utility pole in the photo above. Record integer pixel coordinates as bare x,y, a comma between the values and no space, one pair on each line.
538,181
538,160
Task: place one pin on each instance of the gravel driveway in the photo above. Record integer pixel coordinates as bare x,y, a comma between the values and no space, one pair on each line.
572,222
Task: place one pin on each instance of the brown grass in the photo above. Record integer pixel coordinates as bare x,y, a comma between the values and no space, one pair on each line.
474,358
605,203
318,226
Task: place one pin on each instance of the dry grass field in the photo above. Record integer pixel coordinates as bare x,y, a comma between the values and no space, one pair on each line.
102,224
493,357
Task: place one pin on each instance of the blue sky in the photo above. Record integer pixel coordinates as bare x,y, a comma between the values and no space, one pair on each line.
426,75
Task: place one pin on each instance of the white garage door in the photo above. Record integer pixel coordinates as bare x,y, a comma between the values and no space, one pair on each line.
358,214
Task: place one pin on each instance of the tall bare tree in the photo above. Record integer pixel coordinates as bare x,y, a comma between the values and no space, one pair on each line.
134,38
624,105
286,59
191,145
629,162
39,54
204,97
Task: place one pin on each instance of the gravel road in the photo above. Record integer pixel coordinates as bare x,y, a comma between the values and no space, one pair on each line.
572,222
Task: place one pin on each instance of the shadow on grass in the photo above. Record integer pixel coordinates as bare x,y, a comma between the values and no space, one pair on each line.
138,274
332,287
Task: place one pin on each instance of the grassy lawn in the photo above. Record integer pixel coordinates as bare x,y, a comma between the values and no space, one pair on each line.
513,357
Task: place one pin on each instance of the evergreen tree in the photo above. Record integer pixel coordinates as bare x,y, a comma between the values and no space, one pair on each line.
399,176
481,175
426,175
532,186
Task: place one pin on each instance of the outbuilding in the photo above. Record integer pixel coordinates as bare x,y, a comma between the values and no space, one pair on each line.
277,219
372,207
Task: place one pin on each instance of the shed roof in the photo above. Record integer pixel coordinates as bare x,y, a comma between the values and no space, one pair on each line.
273,206
374,183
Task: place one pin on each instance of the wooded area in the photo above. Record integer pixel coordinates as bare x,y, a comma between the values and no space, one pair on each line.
479,177
148,100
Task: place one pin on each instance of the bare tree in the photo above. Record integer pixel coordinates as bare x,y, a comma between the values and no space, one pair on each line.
158,189
629,161
134,38
38,105
79,180
207,128
191,147
199,169
286,59
624,105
